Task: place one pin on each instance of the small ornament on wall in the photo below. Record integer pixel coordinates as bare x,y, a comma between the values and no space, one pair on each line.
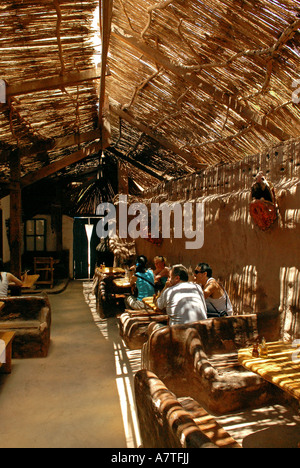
263,207
156,241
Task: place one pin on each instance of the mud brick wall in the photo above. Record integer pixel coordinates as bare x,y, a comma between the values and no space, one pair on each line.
259,268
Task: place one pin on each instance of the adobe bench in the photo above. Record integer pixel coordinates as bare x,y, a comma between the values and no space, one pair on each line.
200,360
133,326
170,422
29,317
6,339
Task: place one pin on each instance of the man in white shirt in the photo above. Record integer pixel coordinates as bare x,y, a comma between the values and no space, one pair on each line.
183,301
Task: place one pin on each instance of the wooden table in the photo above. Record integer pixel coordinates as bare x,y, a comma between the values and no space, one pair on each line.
150,304
281,367
2,304
122,283
6,339
29,281
110,271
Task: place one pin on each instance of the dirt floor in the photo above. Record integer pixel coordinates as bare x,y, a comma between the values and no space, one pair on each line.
69,399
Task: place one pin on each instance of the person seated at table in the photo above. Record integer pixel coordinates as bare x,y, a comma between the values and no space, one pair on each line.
143,279
161,272
217,300
5,279
183,301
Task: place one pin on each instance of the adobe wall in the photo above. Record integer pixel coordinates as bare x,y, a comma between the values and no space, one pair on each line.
259,268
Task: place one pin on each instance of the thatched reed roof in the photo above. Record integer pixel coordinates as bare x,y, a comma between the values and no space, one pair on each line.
190,84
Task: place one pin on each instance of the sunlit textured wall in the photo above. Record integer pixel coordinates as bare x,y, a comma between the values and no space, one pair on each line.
259,268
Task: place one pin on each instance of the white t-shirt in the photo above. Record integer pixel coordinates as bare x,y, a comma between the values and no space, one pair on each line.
184,303
217,305
3,285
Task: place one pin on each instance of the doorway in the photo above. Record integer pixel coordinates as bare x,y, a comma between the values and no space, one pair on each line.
1,234
84,269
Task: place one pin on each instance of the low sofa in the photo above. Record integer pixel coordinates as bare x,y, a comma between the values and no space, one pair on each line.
29,317
169,422
201,360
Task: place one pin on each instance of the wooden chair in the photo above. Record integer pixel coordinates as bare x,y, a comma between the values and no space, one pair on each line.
44,266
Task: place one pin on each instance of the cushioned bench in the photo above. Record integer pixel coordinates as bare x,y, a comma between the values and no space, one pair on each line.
200,360
29,317
133,326
170,422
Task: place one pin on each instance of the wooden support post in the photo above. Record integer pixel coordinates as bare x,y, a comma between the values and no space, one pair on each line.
15,214
105,11
56,219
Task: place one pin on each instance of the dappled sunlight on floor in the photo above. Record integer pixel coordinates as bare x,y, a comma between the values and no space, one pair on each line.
127,364
258,427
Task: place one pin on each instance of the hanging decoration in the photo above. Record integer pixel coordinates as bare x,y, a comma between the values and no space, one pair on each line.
157,241
263,207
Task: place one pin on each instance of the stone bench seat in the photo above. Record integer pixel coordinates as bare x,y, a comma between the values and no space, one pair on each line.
18,324
133,326
29,317
200,360
167,421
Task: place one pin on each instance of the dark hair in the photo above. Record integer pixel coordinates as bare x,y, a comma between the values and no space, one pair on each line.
181,271
205,267
141,263
160,258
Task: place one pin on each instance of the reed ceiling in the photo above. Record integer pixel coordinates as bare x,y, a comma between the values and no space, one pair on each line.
190,84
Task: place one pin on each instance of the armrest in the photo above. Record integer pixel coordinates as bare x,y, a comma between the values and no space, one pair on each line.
164,422
198,357
158,322
45,316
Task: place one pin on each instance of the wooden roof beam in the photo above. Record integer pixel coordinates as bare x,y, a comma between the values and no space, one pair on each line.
192,78
54,144
161,140
105,11
60,164
55,82
138,165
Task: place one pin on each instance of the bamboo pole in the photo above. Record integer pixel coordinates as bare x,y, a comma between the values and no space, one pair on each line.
105,12
15,215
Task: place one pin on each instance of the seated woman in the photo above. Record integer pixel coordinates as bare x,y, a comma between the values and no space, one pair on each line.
143,278
5,279
161,272
216,297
